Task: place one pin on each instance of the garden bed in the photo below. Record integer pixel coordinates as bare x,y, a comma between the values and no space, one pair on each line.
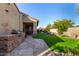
61,44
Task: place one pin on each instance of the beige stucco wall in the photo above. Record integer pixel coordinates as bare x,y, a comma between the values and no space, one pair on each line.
21,22
28,19
72,32
35,28
11,18
25,19
54,31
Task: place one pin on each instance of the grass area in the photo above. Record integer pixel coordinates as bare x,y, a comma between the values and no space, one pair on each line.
60,43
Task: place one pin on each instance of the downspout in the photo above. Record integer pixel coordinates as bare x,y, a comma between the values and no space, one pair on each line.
19,22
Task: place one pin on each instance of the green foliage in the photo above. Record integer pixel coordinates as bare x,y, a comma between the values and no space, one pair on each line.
49,39
48,27
60,47
64,47
60,43
62,25
69,45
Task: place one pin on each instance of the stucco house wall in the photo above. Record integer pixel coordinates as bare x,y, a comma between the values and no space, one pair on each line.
35,28
28,19
9,17
21,22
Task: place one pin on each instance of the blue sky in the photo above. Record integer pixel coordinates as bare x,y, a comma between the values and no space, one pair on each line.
49,12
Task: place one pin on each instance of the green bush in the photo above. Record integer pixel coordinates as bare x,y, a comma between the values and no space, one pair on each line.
75,50
66,48
60,43
49,39
61,47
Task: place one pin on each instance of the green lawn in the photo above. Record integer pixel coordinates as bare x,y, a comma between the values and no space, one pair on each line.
60,43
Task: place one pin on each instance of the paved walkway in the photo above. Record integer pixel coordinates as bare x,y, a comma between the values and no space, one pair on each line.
29,47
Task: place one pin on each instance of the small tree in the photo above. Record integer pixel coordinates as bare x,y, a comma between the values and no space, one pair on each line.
62,25
48,27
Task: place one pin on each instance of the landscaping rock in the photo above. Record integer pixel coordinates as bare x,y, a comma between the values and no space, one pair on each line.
31,47
9,42
39,46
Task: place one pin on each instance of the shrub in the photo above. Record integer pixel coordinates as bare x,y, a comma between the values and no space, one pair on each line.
60,43
62,47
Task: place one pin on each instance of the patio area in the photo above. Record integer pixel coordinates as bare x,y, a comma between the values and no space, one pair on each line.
30,47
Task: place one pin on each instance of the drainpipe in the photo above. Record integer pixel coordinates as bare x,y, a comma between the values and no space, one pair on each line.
19,22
